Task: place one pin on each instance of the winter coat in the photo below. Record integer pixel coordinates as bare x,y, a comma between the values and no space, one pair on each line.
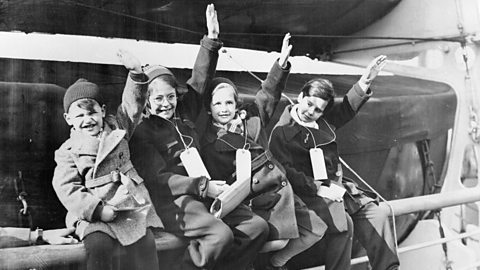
219,151
156,144
290,143
92,171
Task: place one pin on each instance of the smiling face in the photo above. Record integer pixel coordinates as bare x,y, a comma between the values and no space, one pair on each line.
86,116
311,108
223,105
162,99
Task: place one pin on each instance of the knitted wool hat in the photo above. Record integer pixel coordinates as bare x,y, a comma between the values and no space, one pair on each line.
79,90
213,84
155,71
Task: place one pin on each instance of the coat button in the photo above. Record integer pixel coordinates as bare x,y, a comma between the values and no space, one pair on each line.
270,166
284,183
255,180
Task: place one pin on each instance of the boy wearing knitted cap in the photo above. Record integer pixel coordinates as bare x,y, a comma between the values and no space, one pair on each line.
95,180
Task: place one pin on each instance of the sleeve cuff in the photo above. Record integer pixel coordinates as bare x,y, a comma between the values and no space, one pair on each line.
362,90
140,78
211,44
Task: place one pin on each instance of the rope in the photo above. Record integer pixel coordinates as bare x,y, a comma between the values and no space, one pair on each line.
251,73
381,197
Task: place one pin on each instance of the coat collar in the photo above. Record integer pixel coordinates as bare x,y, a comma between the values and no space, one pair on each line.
323,135
108,140
227,141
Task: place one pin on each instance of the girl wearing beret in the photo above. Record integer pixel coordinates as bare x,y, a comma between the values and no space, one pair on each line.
181,201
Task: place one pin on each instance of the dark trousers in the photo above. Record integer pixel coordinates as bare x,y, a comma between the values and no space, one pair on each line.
372,229
333,250
229,243
250,234
209,237
106,253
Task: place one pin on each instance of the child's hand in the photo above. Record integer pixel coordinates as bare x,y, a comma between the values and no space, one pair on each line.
286,49
108,214
59,236
215,188
373,69
129,61
212,22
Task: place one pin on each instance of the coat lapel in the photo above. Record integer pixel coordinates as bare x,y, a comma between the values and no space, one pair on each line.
109,140
323,135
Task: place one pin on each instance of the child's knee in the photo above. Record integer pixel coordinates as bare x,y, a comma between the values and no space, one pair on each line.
99,244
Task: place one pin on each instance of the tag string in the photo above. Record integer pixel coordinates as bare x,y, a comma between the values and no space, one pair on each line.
180,134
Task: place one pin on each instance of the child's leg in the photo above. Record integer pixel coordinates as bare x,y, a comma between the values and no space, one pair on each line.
101,249
250,234
311,229
209,236
372,228
143,253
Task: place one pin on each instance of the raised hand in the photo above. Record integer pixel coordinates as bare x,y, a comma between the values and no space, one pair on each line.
285,52
373,69
129,61
212,22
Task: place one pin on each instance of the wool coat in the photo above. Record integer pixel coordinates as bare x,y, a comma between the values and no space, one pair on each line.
157,143
290,143
93,171
219,151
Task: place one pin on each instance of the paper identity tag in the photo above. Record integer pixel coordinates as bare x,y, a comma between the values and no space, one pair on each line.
243,162
193,163
318,164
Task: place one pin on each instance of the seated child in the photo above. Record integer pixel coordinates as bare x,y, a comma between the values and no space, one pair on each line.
95,180
232,128
310,126
183,201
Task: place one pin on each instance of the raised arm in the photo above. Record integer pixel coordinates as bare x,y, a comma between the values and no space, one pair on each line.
360,92
269,95
134,94
204,67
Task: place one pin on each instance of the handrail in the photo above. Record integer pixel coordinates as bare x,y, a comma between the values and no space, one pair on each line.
433,201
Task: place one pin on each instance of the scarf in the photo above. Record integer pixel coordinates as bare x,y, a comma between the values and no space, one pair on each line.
235,126
294,114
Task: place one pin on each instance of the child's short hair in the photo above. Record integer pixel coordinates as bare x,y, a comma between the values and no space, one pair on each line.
212,87
87,104
319,87
82,89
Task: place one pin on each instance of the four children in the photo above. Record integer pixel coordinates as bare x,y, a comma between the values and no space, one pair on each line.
113,208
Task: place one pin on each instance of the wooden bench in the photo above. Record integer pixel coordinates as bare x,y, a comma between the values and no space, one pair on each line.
32,257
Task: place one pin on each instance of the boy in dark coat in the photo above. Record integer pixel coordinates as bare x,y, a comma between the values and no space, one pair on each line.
181,201
95,180
311,124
